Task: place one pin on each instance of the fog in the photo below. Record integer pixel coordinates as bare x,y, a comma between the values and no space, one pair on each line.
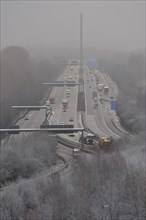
106,24
36,36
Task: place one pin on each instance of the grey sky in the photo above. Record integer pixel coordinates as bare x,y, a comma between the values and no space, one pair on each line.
107,24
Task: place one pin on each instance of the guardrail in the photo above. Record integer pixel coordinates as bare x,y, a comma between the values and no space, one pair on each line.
89,130
118,128
72,144
85,125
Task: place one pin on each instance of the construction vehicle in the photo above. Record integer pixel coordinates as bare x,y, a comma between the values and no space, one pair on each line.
98,142
103,142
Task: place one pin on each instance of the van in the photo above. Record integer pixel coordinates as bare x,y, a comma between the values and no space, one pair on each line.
76,151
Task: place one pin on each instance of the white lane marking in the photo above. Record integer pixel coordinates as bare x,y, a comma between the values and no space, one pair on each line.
53,93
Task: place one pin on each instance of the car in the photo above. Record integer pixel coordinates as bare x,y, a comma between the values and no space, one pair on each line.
68,91
61,123
69,77
76,151
71,119
71,134
26,118
48,103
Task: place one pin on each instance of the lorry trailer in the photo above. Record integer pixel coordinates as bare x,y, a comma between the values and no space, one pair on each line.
52,100
100,86
106,90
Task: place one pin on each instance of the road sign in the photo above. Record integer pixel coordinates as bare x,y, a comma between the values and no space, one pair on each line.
92,63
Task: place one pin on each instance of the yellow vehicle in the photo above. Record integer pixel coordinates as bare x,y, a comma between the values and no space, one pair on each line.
104,142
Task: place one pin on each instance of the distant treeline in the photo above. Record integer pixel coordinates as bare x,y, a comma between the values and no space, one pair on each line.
128,70
22,80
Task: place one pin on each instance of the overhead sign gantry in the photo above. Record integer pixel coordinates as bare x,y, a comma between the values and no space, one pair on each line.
60,83
50,130
36,108
33,108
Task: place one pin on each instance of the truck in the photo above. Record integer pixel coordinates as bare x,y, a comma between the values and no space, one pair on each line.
87,138
98,142
105,142
69,77
52,100
106,90
100,86
65,103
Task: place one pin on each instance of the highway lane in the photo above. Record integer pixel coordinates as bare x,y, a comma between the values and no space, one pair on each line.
99,120
111,117
106,119
72,99
101,127
107,81
36,118
94,117
72,106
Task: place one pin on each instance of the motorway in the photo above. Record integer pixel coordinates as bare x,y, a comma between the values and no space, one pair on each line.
99,120
103,121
